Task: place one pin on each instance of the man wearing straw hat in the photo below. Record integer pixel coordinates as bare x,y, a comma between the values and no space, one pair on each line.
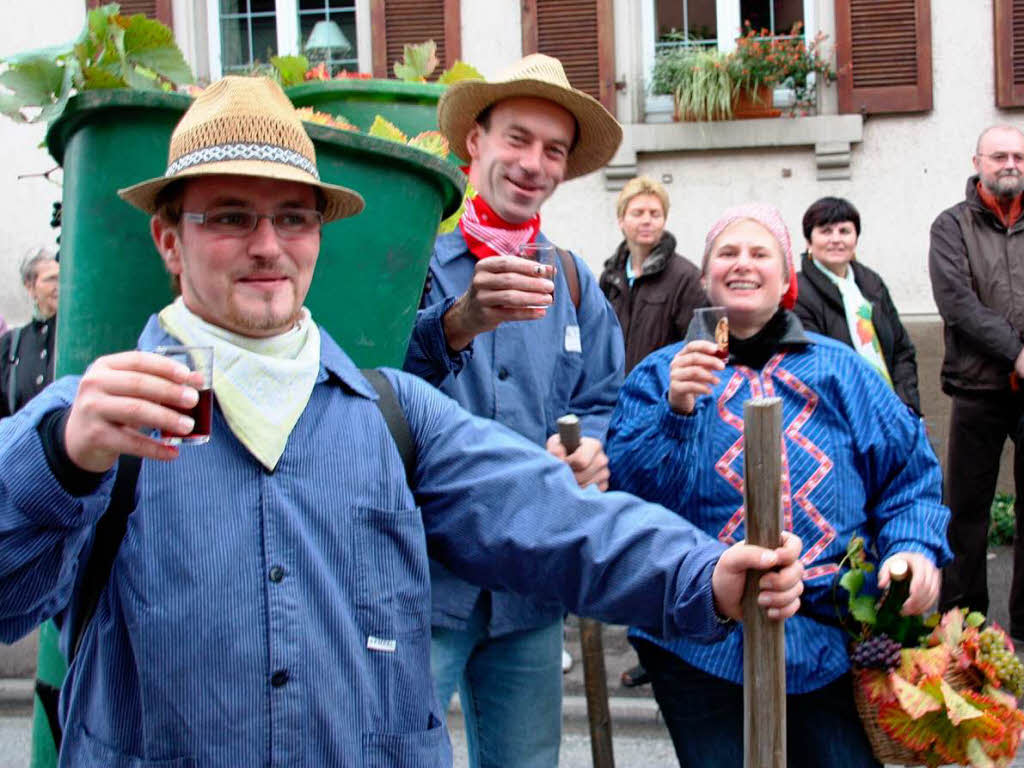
523,133
268,602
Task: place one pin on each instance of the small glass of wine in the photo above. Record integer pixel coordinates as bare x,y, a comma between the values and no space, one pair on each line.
712,324
197,359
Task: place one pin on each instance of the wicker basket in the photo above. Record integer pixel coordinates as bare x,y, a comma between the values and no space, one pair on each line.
886,749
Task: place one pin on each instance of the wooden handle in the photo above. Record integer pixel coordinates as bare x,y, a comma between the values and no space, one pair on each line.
764,650
569,432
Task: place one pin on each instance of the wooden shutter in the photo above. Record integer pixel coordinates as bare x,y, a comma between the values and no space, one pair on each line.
580,34
396,23
884,55
1008,32
155,9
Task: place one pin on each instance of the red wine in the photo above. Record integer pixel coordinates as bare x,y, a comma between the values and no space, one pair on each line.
722,353
202,414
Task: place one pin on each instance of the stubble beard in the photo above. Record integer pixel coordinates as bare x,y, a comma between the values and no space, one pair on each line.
1006,185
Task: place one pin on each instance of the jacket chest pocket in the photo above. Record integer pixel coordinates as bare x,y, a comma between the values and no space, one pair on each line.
392,594
568,368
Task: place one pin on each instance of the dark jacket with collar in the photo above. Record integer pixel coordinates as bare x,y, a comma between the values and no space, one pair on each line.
819,305
977,271
657,310
33,366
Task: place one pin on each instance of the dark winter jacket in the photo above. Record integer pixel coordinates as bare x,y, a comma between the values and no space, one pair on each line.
33,367
819,305
656,311
977,272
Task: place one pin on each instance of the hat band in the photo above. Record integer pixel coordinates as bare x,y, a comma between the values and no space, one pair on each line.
267,153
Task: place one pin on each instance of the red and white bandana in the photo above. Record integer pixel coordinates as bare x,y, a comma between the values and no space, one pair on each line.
487,234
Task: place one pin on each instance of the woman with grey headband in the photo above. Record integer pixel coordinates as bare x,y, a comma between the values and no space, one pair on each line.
26,352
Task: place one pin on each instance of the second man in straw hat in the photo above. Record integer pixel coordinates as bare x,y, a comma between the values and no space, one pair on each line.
523,344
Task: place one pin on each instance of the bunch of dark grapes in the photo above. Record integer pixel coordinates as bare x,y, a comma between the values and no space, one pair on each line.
877,652
992,648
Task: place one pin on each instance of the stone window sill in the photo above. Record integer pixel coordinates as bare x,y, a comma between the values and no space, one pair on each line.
831,136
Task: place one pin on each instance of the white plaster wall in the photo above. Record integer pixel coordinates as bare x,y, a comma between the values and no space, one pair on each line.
906,170
492,34
26,204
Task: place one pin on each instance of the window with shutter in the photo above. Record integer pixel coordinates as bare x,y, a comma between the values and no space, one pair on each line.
1008,28
580,34
155,9
397,23
884,55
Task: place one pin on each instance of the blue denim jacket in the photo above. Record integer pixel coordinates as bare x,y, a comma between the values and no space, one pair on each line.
523,375
282,618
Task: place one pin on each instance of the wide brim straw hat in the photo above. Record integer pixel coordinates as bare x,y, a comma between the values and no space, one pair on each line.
243,126
538,76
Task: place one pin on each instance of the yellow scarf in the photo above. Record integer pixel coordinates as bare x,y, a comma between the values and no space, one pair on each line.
262,385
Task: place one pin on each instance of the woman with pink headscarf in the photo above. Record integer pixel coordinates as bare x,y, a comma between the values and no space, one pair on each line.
855,463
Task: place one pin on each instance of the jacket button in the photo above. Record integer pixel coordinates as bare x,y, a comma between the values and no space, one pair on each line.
276,574
279,678
39,379
502,374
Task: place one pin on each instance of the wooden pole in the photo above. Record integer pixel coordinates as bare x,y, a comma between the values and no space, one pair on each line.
595,678
764,652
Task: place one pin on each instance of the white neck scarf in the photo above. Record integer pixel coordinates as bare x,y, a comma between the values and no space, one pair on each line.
262,385
858,319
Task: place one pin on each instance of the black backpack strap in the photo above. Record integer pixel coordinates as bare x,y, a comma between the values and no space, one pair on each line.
107,539
572,275
12,368
394,416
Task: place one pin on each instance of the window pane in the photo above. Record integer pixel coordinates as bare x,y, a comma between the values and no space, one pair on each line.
341,13
233,6
234,44
788,13
264,38
694,18
777,16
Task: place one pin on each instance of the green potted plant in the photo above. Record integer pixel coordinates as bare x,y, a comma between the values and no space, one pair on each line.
700,80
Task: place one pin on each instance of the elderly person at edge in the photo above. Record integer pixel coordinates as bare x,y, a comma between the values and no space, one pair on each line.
26,352
856,462
269,603
841,298
652,288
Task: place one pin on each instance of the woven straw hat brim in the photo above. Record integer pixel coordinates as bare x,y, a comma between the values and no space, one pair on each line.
342,202
599,133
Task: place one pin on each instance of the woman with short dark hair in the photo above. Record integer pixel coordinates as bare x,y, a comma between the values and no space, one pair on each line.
841,298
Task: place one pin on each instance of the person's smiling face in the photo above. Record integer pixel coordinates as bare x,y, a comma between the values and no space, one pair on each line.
255,284
834,245
746,274
519,156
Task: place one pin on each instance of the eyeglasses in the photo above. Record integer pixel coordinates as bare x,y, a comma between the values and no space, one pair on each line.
239,222
999,158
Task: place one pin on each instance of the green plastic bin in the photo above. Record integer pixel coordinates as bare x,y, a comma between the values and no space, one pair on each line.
410,106
368,279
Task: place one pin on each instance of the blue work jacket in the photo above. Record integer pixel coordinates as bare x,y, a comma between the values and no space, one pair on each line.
257,618
524,375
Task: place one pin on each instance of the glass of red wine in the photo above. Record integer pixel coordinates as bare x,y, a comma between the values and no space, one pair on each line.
712,324
197,359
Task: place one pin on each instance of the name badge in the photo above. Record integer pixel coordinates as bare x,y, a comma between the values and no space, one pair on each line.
572,339
381,644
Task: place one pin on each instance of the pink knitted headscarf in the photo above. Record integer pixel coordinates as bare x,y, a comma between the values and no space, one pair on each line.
767,216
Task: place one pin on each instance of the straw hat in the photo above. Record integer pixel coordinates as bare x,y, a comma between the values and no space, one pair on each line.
539,76
243,126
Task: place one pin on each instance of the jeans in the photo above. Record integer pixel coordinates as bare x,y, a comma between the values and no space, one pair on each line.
704,716
510,688
979,425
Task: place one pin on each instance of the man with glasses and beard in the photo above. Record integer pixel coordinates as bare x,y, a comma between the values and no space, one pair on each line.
976,263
